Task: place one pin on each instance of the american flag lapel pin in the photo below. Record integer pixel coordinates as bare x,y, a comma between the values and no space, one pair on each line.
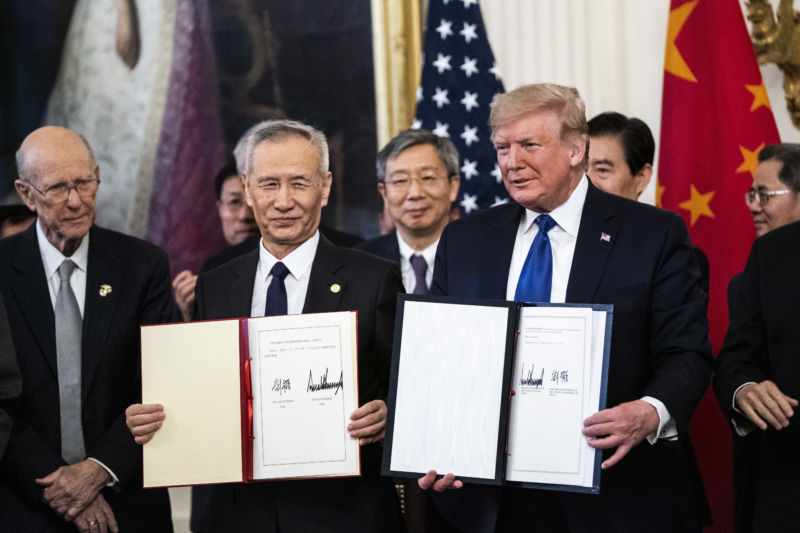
605,236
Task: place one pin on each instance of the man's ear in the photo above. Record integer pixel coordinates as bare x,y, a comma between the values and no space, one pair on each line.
577,150
247,196
26,193
642,178
327,179
455,182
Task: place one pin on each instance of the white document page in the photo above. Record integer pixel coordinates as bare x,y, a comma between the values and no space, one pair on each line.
449,389
193,370
556,382
304,377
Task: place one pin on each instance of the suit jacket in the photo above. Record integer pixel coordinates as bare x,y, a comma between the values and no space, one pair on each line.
138,274
370,286
659,344
762,343
383,246
10,380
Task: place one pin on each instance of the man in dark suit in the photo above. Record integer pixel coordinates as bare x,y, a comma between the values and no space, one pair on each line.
297,270
757,374
10,380
563,240
418,181
621,152
773,201
76,295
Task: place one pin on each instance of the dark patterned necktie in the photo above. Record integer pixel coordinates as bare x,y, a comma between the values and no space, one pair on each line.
420,267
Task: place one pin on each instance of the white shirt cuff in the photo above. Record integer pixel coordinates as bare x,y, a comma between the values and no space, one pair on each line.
741,424
114,478
667,428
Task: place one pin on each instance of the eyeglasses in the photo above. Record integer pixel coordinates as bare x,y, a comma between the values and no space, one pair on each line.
402,184
60,192
761,196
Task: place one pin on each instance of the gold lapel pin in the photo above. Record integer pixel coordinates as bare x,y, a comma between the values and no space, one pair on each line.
105,288
335,288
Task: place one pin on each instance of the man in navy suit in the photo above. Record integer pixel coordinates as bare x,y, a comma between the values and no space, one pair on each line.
598,248
418,181
76,295
287,182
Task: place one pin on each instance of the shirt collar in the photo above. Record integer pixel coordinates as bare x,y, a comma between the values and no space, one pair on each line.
406,251
52,256
298,261
568,214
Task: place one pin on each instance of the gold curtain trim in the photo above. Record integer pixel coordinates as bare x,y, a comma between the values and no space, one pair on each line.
397,59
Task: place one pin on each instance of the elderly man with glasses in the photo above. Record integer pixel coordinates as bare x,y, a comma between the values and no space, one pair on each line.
774,201
76,295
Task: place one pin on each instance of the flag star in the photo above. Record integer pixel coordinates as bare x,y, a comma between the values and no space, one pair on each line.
442,63
445,29
496,71
469,169
469,203
470,135
468,66
470,100
417,124
441,129
697,205
467,3
499,201
441,97
469,32
419,93
496,173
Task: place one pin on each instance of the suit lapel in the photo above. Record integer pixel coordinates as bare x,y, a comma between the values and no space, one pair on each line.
240,289
325,287
596,237
31,292
103,273
500,246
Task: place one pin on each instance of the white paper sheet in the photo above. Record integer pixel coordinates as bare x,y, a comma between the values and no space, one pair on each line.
449,389
556,384
304,379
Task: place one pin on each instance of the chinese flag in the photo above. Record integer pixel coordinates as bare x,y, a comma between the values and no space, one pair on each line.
715,119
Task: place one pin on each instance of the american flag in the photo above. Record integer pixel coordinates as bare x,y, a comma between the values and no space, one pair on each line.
459,79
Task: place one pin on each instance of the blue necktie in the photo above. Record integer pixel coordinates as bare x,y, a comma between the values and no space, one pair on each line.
536,278
276,293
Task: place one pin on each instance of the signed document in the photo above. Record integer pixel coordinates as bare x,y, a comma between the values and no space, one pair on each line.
304,389
496,392
251,399
556,385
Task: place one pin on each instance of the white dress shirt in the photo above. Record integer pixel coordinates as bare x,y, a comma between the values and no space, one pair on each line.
299,264
563,237
51,260
406,251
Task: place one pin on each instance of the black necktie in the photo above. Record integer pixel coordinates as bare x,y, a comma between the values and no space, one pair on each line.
276,293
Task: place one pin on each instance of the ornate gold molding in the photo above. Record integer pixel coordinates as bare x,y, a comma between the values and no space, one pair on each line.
397,60
778,42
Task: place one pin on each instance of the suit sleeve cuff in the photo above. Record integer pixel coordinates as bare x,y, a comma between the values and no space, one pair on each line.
741,424
114,478
667,428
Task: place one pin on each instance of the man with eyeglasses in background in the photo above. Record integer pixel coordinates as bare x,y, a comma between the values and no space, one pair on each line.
75,295
418,181
774,201
756,371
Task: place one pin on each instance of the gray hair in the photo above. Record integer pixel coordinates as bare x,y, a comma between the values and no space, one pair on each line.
26,173
789,156
278,130
406,139
240,151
